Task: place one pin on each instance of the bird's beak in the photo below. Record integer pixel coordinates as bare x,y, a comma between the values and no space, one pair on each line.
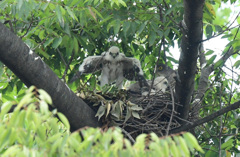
114,55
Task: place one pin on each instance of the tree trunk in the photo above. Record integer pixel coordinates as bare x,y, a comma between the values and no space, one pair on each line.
191,39
30,68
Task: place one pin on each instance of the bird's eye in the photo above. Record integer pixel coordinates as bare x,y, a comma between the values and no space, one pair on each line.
160,68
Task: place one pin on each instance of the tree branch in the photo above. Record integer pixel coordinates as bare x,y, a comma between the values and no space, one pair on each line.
203,80
192,35
209,118
30,68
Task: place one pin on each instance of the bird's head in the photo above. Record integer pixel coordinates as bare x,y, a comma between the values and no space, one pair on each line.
114,51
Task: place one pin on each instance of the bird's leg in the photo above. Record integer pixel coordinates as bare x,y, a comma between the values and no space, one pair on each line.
144,86
119,82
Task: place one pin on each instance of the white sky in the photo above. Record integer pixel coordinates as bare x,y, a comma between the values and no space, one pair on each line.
217,44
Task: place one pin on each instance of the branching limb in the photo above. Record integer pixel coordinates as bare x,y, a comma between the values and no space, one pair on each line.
205,73
209,118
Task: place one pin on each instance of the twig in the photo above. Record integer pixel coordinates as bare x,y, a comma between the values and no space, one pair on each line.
206,119
30,25
128,135
61,56
227,29
173,109
67,66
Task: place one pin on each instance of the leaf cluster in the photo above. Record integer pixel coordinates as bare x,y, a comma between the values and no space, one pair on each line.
32,130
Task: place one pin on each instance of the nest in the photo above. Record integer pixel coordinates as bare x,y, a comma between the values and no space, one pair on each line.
157,114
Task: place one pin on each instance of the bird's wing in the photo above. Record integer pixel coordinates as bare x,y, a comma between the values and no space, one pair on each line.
132,70
90,64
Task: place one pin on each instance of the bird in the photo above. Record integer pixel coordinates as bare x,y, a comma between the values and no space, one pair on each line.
170,74
114,67
160,86
165,79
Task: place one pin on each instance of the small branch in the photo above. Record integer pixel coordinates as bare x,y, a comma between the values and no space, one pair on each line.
128,135
30,25
172,15
10,23
214,36
60,54
206,71
227,29
206,119
67,66
173,110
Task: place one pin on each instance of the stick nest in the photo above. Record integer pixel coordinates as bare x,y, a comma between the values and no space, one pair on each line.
135,113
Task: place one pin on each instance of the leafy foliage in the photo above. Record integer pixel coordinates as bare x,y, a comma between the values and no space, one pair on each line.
32,130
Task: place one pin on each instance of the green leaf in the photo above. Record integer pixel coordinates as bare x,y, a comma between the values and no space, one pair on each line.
110,25
126,26
136,108
97,12
40,51
44,96
48,42
20,4
129,114
75,45
19,86
64,120
173,149
218,64
227,144
183,146
59,15
140,142
142,27
136,115
210,8
211,60
56,42
152,38
237,64
5,108
41,34
100,112
108,108
209,52
73,16
189,137
117,26
122,2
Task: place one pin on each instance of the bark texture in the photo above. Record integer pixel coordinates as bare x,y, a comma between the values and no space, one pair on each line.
192,36
30,68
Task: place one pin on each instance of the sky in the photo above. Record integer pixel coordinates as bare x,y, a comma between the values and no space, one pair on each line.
218,44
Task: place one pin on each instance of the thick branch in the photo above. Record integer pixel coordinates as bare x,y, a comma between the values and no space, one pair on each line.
205,72
206,119
192,35
30,68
